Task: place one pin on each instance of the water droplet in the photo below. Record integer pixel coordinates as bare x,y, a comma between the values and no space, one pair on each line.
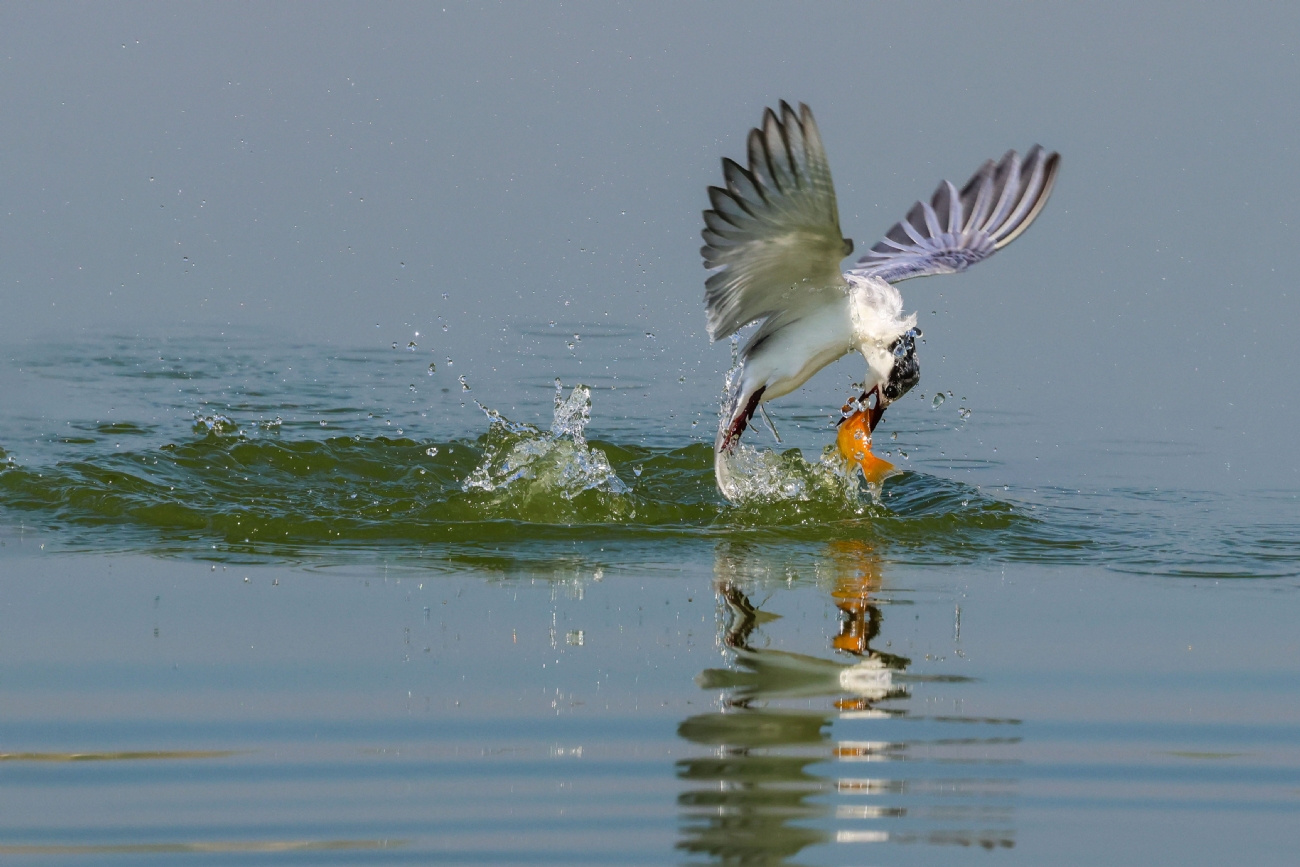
352,496
449,361
322,423
399,431
636,471
963,412
370,415
571,344
938,400
432,368
464,386
412,386
894,435
872,400
431,451
552,323
411,346
394,344
403,264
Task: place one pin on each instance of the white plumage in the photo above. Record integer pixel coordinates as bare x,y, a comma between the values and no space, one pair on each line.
773,242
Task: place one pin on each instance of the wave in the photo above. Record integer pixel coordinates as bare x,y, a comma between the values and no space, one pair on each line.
248,487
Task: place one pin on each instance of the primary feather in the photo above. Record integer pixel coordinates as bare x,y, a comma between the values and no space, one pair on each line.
956,230
774,231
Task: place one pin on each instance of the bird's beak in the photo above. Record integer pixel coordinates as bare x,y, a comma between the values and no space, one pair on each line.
871,409
877,412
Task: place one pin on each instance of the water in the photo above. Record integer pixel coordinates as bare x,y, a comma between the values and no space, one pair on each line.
265,603
304,558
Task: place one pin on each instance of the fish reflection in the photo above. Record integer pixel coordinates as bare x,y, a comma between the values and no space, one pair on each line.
762,794
747,802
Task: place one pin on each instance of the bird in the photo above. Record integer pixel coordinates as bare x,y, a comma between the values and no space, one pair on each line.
773,246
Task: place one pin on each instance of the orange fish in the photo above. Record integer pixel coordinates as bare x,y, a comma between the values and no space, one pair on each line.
854,441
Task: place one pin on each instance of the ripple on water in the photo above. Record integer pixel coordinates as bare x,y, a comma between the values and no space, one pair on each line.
247,486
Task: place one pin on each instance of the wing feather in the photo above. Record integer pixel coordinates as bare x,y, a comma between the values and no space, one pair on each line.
1032,199
773,234
955,230
977,196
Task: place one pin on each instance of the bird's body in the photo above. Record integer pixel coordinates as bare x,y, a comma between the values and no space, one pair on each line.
773,241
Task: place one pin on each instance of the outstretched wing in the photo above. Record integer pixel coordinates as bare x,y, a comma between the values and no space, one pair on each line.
774,233
956,230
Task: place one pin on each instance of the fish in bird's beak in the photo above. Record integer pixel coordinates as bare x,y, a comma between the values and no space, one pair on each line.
861,417
854,436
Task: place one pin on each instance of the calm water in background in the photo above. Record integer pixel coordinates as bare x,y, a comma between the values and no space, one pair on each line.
301,560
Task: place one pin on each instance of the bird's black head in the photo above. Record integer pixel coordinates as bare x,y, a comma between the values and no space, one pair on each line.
906,371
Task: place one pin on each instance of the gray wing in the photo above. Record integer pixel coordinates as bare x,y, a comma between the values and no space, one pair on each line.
956,230
773,234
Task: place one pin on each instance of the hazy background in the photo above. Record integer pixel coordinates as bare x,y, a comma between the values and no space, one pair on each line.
353,174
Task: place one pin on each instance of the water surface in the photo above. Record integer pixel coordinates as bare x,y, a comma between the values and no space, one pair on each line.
299,605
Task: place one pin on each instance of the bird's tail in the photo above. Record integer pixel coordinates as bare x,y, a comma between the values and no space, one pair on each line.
723,443
734,413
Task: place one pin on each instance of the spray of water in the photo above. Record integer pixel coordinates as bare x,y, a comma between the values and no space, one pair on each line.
531,462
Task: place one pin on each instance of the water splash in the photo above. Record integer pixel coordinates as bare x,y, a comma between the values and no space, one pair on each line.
215,423
749,477
521,459
755,477
572,415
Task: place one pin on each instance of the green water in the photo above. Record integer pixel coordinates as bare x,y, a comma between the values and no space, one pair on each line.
243,457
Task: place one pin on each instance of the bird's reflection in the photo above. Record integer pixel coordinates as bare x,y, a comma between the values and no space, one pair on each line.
746,801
